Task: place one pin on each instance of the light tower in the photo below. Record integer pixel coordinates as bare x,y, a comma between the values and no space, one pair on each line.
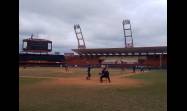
127,33
80,39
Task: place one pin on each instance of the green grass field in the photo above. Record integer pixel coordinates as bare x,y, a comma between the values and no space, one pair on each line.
39,92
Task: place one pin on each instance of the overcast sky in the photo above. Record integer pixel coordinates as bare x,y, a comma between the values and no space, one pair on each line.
100,21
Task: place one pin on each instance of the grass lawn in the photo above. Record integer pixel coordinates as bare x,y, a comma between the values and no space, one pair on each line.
38,94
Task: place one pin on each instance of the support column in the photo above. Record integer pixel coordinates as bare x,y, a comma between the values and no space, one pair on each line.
161,60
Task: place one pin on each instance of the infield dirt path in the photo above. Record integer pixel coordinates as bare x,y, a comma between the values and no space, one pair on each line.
81,81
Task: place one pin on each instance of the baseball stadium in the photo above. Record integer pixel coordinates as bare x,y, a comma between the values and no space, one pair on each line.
59,82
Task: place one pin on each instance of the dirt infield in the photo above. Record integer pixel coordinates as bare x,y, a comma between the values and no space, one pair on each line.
120,80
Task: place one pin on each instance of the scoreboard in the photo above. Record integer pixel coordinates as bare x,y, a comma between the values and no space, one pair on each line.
37,46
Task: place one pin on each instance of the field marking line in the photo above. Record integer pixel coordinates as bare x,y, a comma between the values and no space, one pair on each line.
38,77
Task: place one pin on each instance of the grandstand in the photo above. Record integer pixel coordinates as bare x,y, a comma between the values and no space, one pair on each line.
96,57
147,56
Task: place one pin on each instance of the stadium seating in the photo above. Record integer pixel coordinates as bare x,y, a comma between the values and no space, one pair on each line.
41,59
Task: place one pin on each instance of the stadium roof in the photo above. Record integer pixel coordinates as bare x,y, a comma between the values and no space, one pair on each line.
121,51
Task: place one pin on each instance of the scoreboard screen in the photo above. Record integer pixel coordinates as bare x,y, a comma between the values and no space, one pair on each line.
37,46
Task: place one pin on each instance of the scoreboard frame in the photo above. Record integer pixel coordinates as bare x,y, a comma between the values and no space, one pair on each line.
36,45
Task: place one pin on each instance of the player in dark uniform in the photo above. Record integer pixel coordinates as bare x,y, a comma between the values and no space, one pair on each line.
89,74
104,74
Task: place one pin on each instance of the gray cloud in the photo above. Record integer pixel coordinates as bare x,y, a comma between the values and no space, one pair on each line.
100,20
